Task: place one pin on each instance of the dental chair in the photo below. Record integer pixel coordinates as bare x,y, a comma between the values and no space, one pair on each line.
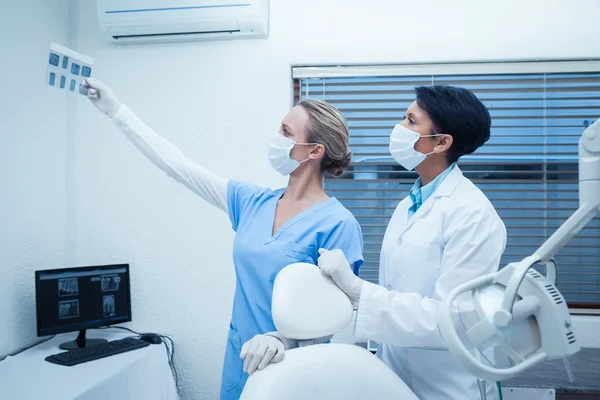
306,306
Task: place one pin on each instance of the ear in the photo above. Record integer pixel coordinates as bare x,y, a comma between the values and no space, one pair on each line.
444,144
317,152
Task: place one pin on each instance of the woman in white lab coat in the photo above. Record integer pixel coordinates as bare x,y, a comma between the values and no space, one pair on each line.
444,233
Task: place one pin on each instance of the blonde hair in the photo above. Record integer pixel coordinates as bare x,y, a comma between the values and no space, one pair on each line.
327,126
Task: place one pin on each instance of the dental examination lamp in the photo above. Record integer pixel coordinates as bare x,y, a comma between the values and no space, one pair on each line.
504,323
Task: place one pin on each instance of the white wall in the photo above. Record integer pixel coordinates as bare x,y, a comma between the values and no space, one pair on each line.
32,161
219,102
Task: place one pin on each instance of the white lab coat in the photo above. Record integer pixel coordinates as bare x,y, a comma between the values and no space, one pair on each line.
455,236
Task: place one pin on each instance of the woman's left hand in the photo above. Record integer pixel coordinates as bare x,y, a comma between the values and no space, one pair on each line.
261,350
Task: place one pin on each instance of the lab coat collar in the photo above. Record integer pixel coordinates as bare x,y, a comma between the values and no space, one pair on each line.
419,193
449,184
445,189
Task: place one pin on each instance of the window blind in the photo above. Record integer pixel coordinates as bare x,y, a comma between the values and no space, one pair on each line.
528,168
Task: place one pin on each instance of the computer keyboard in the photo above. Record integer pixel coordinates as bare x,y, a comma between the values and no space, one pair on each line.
107,349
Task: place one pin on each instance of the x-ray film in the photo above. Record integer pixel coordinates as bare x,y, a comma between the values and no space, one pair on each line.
67,69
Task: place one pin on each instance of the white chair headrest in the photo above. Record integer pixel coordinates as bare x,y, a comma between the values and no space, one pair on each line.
307,304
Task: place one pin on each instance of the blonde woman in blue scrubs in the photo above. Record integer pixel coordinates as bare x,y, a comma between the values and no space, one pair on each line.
274,228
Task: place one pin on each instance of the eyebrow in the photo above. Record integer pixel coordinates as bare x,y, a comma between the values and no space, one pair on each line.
412,115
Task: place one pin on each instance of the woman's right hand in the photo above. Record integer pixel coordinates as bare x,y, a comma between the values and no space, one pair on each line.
102,97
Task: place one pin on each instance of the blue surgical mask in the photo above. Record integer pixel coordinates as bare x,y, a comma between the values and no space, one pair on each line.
402,147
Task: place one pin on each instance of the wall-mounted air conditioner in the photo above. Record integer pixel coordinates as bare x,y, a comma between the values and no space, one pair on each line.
147,21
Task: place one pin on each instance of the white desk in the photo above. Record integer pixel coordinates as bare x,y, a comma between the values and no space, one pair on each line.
137,374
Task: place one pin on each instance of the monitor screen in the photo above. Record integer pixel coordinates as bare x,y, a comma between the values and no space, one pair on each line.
73,299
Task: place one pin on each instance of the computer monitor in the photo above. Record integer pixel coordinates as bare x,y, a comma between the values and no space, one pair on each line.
76,299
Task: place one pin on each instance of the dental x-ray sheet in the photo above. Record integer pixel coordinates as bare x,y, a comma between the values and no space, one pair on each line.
67,69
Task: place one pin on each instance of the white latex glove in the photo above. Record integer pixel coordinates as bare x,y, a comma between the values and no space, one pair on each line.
261,350
102,97
334,264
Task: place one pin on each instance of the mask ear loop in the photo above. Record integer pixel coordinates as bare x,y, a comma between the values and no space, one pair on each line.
435,148
307,144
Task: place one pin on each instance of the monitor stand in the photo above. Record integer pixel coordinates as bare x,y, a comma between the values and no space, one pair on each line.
81,342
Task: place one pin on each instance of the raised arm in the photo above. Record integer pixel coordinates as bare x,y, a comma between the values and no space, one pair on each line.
158,150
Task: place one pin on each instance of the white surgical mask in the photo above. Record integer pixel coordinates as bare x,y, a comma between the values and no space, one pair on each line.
279,154
402,147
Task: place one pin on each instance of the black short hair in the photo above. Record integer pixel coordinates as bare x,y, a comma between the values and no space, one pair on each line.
456,112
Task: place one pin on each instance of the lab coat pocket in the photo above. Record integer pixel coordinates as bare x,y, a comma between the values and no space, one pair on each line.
233,368
299,253
418,268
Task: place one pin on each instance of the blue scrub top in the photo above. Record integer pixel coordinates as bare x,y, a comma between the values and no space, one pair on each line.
258,257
